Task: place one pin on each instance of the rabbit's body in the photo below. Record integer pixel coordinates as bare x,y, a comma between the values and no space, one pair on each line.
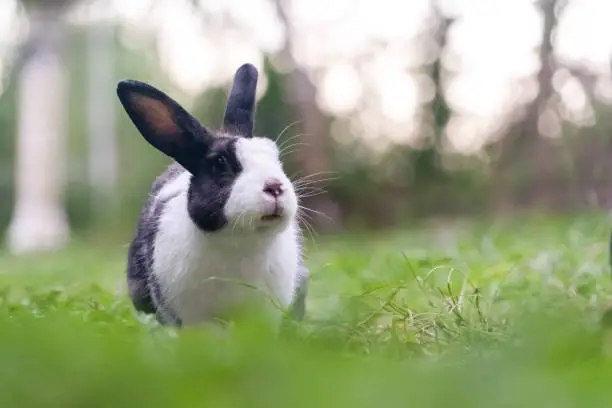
200,273
219,230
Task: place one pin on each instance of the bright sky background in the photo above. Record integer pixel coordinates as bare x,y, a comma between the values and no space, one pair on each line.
367,57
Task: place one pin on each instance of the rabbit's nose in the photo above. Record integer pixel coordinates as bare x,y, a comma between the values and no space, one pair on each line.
273,187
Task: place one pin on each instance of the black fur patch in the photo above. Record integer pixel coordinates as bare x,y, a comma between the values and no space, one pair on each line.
211,184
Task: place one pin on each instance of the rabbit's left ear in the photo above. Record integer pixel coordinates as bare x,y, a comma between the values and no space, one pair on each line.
164,123
240,110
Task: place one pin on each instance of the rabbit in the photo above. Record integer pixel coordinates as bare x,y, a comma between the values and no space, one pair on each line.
219,229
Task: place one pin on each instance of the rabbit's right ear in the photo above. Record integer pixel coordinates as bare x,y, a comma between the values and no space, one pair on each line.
240,108
164,123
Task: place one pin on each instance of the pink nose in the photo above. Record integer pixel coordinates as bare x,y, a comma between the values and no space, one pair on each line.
273,187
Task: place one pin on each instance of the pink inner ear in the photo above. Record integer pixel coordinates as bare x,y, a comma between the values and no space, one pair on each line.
156,114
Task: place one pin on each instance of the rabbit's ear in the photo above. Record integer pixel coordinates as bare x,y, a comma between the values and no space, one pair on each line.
164,123
241,102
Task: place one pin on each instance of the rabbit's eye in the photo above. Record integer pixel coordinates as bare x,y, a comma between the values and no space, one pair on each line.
219,164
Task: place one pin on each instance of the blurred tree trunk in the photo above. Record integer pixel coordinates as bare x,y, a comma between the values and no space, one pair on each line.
101,118
588,152
314,152
542,152
526,158
530,126
39,222
441,111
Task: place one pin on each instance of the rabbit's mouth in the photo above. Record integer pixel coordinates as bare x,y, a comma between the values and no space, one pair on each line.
271,217
276,214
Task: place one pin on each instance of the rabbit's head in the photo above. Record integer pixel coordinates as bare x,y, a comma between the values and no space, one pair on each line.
237,180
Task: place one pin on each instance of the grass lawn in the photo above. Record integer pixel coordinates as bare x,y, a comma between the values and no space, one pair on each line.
470,314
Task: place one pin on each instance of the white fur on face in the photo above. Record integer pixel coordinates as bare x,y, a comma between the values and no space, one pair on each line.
247,202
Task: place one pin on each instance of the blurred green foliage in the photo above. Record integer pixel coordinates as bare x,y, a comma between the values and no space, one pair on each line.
479,314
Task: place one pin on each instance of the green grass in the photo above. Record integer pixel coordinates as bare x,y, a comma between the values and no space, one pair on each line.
474,314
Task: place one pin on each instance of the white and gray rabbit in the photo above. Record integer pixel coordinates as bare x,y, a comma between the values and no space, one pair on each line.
219,230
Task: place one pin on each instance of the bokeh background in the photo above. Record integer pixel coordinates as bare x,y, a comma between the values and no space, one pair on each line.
467,116
397,109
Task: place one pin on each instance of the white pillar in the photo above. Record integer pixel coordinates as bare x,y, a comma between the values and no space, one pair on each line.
39,222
